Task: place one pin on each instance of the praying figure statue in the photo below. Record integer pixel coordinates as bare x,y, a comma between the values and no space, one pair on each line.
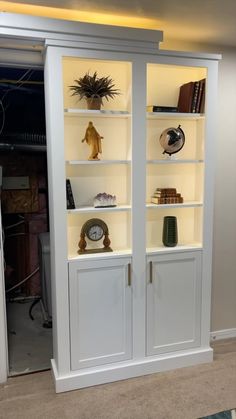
93,139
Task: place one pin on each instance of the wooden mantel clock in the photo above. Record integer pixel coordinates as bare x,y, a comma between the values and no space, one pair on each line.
94,229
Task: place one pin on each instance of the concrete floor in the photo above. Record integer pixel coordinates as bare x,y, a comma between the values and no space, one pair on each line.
29,343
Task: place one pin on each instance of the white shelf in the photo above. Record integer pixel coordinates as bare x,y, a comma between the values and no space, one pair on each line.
86,209
98,162
174,115
103,255
175,161
188,204
96,113
178,248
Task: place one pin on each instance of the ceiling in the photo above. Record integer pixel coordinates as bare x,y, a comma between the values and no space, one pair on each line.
203,21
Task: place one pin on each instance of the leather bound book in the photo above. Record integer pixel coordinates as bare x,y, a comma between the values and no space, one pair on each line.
200,94
195,96
202,99
185,100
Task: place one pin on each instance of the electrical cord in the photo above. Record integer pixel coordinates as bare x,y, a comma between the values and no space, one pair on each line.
16,235
3,111
23,280
14,225
3,117
30,71
32,306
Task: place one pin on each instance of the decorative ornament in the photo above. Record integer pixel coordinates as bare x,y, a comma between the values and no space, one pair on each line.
93,139
170,231
172,140
94,89
104,200
94,229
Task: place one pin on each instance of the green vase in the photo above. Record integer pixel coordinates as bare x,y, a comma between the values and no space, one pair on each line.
170,231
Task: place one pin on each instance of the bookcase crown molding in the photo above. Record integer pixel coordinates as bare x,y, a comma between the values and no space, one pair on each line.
79,34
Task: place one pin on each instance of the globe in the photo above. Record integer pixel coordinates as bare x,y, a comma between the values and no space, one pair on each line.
172,140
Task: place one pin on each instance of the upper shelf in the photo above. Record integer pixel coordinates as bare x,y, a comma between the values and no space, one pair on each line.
96,113
174,161
174,115
84,209
99,162
105,113
187,204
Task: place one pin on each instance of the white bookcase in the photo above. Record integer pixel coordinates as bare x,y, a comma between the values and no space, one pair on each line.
144,307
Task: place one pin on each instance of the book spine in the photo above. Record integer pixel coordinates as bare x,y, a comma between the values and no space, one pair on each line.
202,101
185,97
195,96
169,200
69,195
166,190
201,86
156,108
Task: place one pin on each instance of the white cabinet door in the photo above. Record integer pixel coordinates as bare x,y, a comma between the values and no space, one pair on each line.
173,302
100,312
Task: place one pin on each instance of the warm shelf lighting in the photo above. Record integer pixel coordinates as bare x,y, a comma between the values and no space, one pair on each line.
81,16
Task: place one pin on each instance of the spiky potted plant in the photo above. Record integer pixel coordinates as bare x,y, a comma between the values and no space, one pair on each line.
94,89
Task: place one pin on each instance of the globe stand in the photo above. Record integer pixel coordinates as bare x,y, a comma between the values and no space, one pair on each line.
170,156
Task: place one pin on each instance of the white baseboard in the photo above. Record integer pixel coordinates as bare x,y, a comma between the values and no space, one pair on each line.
128,369
223,334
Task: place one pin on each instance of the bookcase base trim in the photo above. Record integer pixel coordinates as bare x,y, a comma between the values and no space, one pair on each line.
124,370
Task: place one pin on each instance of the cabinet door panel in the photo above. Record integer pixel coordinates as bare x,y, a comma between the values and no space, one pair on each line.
100,309
174,302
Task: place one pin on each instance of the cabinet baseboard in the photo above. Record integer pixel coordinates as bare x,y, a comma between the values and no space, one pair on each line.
129,369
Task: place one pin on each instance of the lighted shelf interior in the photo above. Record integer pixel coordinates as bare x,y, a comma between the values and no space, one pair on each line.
119,225
119,71
189,222
164,81
193,148
88,181
186,178
116,133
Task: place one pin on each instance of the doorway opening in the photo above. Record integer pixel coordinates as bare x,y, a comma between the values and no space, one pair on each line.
25,220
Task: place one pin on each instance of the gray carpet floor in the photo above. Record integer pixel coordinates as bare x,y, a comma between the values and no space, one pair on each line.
187,393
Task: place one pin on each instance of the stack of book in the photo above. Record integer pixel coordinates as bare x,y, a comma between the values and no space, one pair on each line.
166,196
192,97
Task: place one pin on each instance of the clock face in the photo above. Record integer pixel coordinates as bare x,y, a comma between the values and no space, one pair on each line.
95,232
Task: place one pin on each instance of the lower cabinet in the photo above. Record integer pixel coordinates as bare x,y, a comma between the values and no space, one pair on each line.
100,311
100,296
173,302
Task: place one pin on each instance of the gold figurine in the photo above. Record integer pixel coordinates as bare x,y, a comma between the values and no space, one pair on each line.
93,139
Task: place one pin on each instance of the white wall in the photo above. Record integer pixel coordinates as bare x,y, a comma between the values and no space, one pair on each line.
224,255
224,247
